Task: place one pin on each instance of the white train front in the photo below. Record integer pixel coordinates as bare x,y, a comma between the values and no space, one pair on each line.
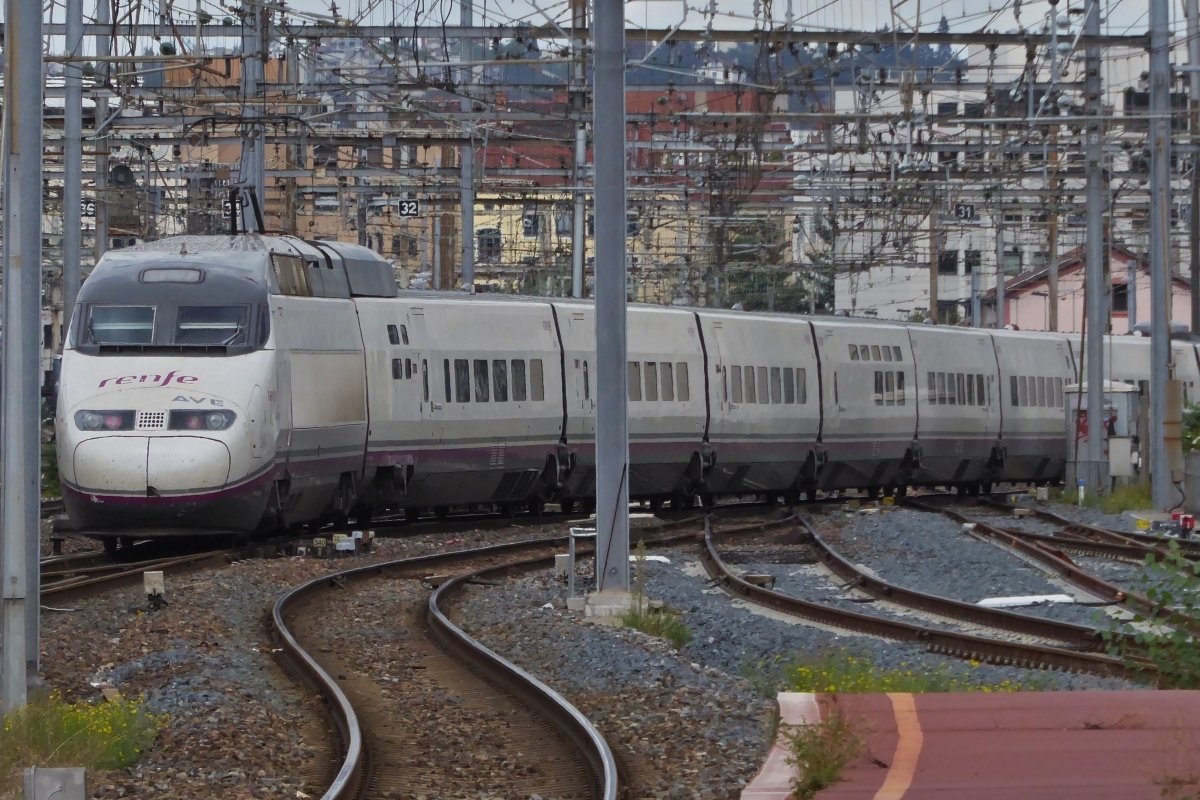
236,383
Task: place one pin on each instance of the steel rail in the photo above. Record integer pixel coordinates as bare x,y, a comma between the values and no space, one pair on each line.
584,739
1077,636
958,645
130,574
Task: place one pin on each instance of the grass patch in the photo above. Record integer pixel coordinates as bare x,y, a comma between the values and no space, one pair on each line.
1122,499
662,624
844,672
53,733
821,752
50,483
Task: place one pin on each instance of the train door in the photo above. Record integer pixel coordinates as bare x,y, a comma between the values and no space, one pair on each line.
581,388
427,385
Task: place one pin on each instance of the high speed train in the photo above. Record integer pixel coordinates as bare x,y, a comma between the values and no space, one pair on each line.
246,382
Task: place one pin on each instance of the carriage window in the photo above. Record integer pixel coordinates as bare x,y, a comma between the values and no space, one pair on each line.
801,385
500,380
537,389
668,381
970,390
408,368
941,388
889,386
651,380
762,385
587,383
518,380
481,380
397,369
393,334
887,353
874,352
724,386
932,388
878,388
962,397
1012,385
462,380
633,376
1023,394
789,388
751,393
215,325
404,334
776,386
899,388
865,352
683,390
446,365
425,378
1058,395
854,352
1041,392
979,390
899,356
736,380
951,397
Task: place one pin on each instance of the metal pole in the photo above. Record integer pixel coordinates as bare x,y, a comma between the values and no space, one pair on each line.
1160,188
467,169
1052,159
1094,268
253,167
612,423
1001,311
976,322
1192,10
72,160
933,261
103,49
19,402
1131,282
578,237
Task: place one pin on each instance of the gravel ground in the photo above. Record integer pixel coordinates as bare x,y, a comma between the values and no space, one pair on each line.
238,726
680,727
637,688
930,553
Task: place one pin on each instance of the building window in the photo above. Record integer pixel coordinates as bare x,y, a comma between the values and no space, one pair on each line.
1120,297
948,262
972,259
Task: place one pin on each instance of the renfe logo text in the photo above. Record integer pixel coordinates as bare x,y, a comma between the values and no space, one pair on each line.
151,380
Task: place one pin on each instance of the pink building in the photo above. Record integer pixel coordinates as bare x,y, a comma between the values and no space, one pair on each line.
1027,297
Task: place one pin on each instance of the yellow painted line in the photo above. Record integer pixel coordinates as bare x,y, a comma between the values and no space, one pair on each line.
908,749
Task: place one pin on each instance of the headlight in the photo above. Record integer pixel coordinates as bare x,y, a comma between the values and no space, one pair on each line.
200,420
104,420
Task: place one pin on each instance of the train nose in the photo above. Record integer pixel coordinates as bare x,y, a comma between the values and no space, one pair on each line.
164,464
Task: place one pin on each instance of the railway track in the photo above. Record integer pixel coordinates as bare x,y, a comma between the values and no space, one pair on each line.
1049,556
959,645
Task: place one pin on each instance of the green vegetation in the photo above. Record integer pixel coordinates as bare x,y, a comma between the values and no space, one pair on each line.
50,485
1191,427
655,622
821,752
53,733
1123,498
1172,584
844,672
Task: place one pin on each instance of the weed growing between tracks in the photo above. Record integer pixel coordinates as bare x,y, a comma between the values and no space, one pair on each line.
1172,583
1122,499
822,750
653,622
846,672
53,733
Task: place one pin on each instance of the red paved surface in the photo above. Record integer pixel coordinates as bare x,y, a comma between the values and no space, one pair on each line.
1022,746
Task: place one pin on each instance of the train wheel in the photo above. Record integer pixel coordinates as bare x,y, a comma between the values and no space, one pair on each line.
441,513
873,492
656,504
589,505
507,511
363,518
110,547
985,487
901,491
412,514
536,506
567,506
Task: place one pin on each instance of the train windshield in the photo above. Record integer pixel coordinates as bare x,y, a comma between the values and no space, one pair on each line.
211,325
120,325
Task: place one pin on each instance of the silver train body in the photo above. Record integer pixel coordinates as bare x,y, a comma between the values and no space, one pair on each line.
245,382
